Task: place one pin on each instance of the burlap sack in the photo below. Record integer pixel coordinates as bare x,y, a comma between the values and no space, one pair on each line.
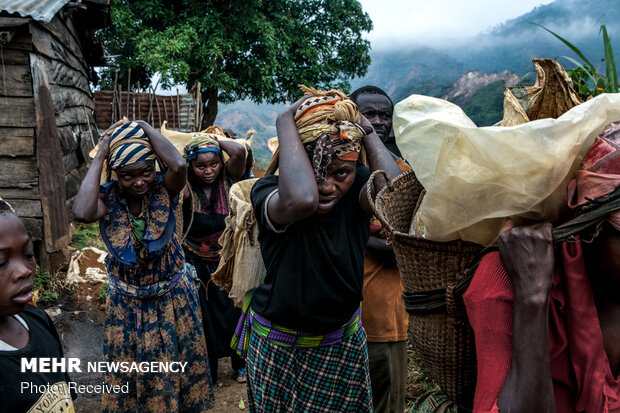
241,266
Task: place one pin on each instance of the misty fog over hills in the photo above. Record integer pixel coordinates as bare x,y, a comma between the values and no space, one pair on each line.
416,68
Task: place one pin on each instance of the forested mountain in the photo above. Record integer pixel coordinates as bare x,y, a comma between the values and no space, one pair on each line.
434,71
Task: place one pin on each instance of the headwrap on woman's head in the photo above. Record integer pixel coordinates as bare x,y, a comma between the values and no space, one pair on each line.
598,179
328,126
129,144
204,142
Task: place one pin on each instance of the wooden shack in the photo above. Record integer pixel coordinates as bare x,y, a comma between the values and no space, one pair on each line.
47,127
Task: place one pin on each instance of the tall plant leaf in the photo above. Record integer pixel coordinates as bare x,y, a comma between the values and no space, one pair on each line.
610,62
571,46
593,76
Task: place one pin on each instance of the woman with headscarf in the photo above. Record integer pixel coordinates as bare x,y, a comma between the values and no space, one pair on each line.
547,318
301,329
206,207
152,309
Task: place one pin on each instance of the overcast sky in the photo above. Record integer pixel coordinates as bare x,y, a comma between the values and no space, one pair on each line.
431,21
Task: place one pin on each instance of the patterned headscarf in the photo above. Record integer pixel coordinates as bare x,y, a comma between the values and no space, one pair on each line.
328,125
129,144
599,175
200,143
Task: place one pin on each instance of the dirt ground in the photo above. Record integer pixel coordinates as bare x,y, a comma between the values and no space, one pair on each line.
79,318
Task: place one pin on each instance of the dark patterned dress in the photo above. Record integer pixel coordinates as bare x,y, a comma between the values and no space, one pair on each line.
220,316
152,310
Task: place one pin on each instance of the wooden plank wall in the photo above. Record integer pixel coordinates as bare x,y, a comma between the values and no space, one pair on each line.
179,111
19,176
57,46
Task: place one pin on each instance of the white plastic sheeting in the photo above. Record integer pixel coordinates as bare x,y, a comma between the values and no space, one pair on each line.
475,178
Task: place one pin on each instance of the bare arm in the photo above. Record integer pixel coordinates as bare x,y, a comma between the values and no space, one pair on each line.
176,175
235,166
297,196
379,157
89,205
527,255
379,248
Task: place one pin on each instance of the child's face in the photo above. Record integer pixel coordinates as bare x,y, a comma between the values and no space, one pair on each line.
207,166
17,265
338,180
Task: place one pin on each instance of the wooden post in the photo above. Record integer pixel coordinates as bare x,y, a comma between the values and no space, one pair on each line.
115,108
119,105
171,125
158,111
49,161
197,106
139,116
179,124
176,119
150,115
128,89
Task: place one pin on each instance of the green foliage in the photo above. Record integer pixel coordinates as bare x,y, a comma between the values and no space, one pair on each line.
585,76
245,49
87,235
41,287
103,292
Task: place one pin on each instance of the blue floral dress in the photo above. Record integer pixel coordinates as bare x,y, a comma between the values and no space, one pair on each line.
152,310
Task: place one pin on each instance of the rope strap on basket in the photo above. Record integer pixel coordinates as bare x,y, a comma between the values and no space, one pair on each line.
592,216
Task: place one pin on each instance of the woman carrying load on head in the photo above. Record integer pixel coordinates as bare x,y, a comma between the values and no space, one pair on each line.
209,178
547,319
301,329
152,309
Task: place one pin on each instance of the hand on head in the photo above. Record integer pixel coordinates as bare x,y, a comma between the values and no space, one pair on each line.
295,105
104,138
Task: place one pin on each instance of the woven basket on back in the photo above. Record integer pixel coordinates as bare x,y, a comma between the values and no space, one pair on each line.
442,337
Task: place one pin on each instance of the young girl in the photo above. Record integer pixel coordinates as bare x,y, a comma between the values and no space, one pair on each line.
152,310
306,350
209,178
25,331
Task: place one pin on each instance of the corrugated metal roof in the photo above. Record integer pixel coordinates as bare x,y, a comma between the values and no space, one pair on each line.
42,10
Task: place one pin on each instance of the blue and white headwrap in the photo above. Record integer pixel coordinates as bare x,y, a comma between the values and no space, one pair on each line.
201,143
129,144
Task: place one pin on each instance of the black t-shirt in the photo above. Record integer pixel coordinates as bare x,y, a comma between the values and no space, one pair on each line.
20,392
315,267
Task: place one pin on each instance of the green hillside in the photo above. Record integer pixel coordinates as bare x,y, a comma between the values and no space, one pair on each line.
431,71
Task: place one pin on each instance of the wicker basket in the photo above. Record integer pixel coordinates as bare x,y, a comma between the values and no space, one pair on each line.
442,338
